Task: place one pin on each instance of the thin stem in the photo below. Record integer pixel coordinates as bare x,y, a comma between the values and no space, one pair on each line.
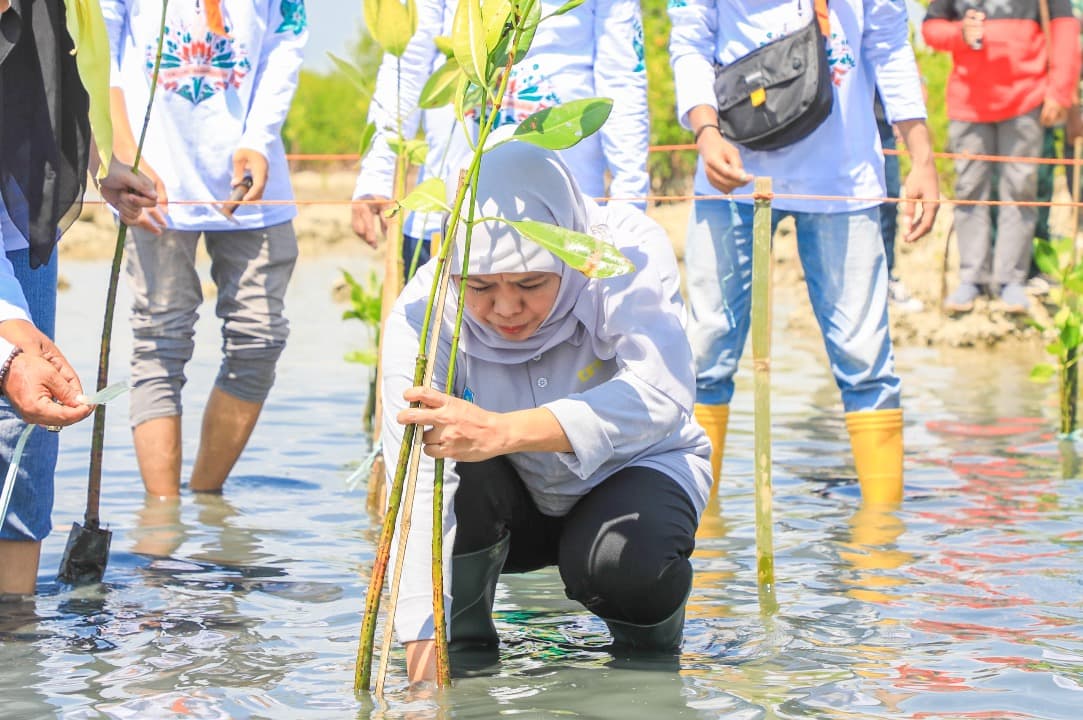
97,438
440,630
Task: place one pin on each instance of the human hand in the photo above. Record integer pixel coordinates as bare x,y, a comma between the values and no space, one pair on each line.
368,218
40,383
1053,113
922,187
721,161
974,28
140,199
459,430
254,164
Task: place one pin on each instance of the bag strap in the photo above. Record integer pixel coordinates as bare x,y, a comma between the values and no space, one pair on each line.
1043,17
824,18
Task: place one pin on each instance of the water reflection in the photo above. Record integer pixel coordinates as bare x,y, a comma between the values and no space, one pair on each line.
963,603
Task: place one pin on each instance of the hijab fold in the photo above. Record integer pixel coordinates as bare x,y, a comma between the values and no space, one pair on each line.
519,181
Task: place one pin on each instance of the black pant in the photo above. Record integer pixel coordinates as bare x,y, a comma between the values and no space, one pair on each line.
622,549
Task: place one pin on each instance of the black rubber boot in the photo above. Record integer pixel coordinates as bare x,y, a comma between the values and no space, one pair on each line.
473,589
664,636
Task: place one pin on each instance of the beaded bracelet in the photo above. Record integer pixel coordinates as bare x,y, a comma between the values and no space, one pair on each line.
7,367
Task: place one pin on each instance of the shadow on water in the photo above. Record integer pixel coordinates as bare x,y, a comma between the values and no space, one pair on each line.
963,603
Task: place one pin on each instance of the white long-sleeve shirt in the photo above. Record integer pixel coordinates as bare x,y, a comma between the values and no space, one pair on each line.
633,407
215,95
595,50
868,48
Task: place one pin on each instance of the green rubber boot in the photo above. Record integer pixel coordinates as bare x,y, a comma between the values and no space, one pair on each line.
664,636
473,589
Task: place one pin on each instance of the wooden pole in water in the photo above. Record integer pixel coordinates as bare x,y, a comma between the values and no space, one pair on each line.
761,360
1069,400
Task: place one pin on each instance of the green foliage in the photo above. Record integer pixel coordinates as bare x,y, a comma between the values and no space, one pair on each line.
328,112
429,196
671,172
392,23
562,126
1057,259
935,68
582,252
365,303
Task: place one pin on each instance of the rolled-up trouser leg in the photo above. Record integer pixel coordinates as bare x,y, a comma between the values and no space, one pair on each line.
624,554
252,269
166,295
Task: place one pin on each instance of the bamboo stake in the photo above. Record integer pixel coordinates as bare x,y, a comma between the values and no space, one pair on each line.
1069,385
391,288
92,520
411,485
761,359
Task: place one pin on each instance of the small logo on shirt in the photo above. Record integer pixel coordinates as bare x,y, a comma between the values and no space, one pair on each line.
468,395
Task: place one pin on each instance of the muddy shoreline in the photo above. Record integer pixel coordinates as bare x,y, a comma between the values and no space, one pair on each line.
324,229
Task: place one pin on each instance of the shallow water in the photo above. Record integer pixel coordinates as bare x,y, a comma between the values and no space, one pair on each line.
965,604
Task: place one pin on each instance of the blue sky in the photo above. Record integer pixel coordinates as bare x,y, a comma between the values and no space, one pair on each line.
332,26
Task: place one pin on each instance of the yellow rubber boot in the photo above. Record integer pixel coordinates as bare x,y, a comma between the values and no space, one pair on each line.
714,419
876,439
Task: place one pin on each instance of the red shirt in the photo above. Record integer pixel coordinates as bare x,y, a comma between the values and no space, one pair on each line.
1012,73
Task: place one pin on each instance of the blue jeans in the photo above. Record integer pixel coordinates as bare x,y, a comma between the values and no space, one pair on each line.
889,212
846,274
30,514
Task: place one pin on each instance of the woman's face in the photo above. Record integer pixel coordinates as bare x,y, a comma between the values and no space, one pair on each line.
513,304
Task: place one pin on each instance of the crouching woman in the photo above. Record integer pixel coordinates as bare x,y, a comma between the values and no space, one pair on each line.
569,439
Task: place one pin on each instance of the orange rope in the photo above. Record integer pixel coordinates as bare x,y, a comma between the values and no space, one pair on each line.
658,199
676,148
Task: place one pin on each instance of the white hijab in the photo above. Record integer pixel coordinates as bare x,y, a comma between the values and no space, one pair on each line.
519,181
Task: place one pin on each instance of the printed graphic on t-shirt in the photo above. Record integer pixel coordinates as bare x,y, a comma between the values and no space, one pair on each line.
293,17
196,63
637,45
840,57
529,91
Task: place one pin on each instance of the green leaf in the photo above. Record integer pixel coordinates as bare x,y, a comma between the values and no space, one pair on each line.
497,14
352,73
1070,335
443,44
562,126
429,196
439,89
589,255
391,23
363,357
566,7
1042,373
367,136
1046,258
413,150
1055,348
468,40
529,24
416,151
